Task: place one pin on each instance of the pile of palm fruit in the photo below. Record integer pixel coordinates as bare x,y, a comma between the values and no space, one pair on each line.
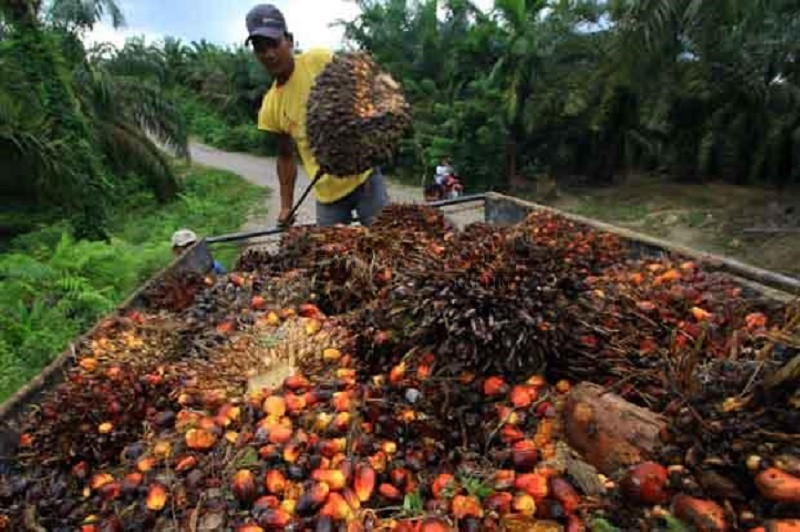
420,378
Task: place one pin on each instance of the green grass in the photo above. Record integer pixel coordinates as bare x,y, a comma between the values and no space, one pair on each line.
211,128
53,287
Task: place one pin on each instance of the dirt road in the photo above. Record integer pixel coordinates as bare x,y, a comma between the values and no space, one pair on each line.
262,171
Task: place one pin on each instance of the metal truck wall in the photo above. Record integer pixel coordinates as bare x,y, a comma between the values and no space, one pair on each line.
505,210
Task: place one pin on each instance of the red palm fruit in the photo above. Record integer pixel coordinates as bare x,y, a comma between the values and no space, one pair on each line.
574,524
424,371
267,502
378,461
435,524
533,484
280,435
390,492
277,519
504,479
319,492
275,406
494,386
244,485
156,498
185,463
499,502
132,481
511,434
364,483
111,491
334,478
308,310
522,396
295,403
564,493
237,279
80,470
646,483
296,382
444,482
399,477
397,373
258,303
524,504
267,452
200,440
466,506
341,401
524,455
701,514
546,409
275,481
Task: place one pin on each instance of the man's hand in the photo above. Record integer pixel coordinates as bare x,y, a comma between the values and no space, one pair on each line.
287,174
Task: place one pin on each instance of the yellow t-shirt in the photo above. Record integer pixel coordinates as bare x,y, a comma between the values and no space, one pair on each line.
284,111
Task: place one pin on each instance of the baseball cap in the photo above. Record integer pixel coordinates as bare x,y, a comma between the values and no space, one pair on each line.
265,20
183,238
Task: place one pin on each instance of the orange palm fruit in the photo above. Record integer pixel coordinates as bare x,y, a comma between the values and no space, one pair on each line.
200,440
504,479
334,478
341,423
397,373
779,486
267,502
524,504
296,382
331,354
185,463
258,303
389,447
291,453
563,386
424,371
146,464
156,498
313,327
249,527
105,428
466,506
295,403
521,396
162,449
280,434
351,498
341,401
390,492
378,461
336,508
275,406
537,381
494,386
275,481
364,483
533,484
443,482
111,491
244,485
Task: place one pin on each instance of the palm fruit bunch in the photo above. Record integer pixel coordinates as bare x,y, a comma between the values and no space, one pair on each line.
356,115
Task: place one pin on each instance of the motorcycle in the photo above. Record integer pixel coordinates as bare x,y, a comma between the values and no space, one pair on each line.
451,188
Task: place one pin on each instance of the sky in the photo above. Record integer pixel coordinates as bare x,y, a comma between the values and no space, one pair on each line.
222,22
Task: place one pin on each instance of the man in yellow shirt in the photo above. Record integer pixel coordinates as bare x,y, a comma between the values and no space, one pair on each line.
283,112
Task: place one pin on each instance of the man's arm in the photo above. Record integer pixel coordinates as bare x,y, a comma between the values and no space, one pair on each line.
287,175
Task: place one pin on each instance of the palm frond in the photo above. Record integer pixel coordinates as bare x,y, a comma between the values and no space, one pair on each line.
84,14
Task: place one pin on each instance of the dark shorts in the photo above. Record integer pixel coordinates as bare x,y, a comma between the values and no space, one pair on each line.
367,201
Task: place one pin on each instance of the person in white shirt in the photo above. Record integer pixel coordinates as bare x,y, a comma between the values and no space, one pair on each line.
443,171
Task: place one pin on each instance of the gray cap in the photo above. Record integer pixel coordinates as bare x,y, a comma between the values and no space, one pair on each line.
265,20
183,238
